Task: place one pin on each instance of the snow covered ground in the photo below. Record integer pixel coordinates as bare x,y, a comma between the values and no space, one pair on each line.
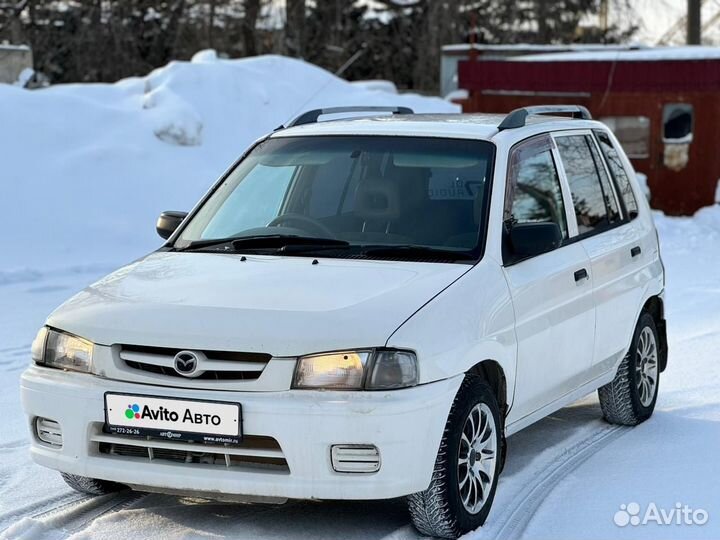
85,169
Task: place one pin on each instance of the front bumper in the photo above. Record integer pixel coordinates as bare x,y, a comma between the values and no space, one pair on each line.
405,425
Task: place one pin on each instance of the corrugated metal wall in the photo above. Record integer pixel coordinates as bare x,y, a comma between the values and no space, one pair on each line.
631,88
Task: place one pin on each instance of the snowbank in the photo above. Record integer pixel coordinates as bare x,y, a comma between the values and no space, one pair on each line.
86,168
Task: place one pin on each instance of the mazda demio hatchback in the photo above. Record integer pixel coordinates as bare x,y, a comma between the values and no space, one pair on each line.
363,308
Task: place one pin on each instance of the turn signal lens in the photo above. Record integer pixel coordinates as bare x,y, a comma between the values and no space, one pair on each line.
37,349
392,369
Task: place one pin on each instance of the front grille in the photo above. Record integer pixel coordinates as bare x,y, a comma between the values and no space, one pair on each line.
219,365
254,453
211,375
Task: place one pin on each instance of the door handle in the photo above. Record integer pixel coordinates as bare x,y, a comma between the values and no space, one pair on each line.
635,251
581,274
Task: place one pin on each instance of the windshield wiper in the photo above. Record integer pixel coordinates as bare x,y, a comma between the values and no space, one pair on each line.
418,252
281,241
269,241
200,244
285,243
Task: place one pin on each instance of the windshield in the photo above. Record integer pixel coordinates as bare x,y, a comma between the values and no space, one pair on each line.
399,195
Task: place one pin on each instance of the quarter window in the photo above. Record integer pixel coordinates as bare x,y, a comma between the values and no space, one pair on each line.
587,192
633,132
534,193
617,169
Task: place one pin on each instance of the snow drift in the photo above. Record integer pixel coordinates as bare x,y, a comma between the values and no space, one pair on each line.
86,168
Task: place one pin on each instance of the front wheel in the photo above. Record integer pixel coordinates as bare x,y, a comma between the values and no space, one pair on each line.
630,397
468,464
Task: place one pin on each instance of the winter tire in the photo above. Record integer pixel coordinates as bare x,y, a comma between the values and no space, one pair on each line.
91,486
468,464
629,398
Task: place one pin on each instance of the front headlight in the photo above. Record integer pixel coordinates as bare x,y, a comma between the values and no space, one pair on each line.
61,350
378,369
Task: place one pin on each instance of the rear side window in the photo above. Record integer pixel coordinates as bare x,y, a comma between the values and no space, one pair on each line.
534,193
619,174
588,196
611,202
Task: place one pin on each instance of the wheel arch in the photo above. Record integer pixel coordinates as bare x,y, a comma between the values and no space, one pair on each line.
655,306
493,373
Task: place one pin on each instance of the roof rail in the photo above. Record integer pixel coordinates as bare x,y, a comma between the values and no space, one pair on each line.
310,117
516,118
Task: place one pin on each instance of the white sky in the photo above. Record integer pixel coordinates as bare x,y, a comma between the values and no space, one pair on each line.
656,17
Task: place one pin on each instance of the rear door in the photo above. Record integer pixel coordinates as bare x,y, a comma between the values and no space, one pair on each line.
551,292
611,241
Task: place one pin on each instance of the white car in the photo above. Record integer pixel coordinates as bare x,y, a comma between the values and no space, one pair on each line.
363,308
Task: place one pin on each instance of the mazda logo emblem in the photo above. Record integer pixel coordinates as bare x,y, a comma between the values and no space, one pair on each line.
187,363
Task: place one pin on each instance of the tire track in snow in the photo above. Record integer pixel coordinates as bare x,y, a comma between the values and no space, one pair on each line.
12,351
70,518
13,358
75,517
16,444
513,522
38,508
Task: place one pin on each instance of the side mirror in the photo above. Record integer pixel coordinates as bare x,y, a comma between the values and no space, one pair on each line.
530,239
168,222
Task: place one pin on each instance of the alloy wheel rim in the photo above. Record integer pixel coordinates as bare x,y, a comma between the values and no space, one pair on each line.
646,367
477,457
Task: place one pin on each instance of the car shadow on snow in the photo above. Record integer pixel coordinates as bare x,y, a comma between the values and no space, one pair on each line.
544,441
296,519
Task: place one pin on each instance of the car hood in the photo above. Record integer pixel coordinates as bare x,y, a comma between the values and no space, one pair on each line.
285,306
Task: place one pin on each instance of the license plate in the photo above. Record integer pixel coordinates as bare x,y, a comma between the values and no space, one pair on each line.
211,422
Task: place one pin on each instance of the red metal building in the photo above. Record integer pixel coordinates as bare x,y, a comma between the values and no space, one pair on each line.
662,103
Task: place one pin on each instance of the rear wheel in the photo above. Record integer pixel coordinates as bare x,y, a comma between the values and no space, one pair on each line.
91,486
468,464
630,398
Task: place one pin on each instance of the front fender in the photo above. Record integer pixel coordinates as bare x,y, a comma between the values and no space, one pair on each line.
470,321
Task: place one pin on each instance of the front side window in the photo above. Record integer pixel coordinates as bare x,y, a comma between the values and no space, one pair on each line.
362,192
534,193
586,189
633,132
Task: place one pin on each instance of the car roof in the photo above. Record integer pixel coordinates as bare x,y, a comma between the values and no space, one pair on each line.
454,125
